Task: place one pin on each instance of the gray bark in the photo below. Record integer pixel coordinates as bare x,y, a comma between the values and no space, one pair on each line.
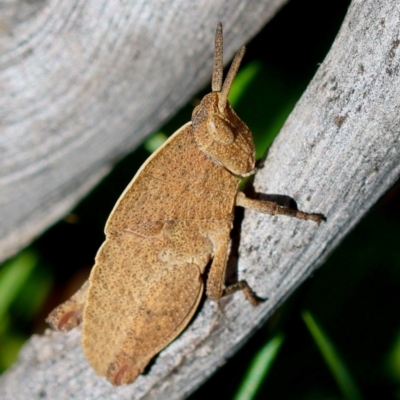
82,82
337,154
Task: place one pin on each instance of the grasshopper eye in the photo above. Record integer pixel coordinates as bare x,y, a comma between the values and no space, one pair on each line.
221,130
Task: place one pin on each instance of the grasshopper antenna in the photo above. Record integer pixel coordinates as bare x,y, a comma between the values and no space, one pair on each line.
218,60
223,97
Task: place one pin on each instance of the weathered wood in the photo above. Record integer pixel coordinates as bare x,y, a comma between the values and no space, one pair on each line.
82,82
337,154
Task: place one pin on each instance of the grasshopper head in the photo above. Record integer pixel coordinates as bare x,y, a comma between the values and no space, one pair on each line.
217,129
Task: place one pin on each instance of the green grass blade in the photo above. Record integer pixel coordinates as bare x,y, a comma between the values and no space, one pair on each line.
13,275
259,368
393,359
11,344
338,368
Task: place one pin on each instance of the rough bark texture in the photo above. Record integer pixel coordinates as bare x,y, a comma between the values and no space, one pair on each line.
83,81
337,154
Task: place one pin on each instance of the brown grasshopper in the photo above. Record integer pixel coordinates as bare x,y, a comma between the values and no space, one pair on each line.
172,220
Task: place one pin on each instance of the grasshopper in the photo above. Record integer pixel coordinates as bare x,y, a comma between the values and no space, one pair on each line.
171,222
